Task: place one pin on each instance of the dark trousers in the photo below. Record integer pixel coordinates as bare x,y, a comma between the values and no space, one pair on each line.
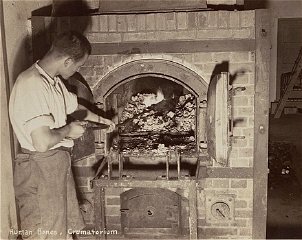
46,196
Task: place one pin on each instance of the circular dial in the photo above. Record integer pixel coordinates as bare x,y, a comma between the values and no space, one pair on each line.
220,210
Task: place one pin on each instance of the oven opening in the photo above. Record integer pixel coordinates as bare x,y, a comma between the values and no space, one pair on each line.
157,121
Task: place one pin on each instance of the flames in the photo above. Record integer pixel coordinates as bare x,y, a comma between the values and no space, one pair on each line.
150,99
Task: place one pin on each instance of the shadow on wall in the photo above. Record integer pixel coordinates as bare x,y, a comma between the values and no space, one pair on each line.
256,4
42,38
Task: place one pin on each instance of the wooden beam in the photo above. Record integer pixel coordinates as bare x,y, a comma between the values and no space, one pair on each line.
193,210
7,200
135,183
130,6
173,47
261,117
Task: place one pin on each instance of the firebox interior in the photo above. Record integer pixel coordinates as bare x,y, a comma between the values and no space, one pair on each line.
156,117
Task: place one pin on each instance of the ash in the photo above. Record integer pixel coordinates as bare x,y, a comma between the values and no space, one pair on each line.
168,124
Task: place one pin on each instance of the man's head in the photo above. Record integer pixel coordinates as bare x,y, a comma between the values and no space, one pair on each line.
72,49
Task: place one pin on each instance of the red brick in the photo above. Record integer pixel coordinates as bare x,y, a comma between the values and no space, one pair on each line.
113,219
213,19
99,71
141,22
112,23
86,71
237,131
238,184
240,162
192,20
103,23
182,21
208,183
240,57
113,227
183,35
240,204
233,153
214,34
223,19
113,211
247,18
140,36
202,19
150,21
113,201
131,23
95,24
220,183
202,57
245,67
108,61
104,37
248,132
222,56
240,101
208,233
113,191
239,143
246,152
243,213
234,19
121,23
201,222
240,222
245,232
244,33
241,79
245,111
160,21
94,61
171,21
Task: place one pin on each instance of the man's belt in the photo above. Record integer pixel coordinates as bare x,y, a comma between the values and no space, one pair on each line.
61,148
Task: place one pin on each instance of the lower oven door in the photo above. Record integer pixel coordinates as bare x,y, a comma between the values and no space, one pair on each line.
149,212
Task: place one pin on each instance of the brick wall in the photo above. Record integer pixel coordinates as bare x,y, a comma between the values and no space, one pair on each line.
241,227
184,26
228,25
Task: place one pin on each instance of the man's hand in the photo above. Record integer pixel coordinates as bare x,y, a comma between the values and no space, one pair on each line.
76,129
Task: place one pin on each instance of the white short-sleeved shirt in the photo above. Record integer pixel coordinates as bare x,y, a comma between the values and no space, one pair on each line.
38,100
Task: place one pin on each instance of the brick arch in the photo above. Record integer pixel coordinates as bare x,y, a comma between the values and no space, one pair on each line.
180,72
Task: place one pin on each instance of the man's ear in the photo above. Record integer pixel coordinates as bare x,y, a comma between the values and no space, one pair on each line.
68,61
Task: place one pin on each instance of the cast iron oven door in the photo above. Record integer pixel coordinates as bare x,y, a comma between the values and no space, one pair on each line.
149,212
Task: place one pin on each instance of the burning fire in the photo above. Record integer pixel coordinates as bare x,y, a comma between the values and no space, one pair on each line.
150,99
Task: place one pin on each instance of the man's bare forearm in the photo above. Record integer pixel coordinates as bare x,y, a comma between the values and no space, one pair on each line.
45,138
92,117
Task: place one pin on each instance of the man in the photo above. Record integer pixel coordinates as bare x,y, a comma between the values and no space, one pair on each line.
39,105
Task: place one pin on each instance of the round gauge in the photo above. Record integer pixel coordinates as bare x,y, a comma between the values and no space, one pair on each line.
221,211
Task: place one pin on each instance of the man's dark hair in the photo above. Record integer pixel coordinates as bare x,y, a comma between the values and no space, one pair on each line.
72,44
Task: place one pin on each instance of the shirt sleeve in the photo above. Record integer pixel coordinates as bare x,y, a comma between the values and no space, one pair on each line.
32,104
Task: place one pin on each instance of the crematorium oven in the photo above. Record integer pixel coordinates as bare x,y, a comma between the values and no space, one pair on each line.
187,90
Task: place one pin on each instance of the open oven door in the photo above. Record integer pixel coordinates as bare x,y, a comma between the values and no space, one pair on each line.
219,120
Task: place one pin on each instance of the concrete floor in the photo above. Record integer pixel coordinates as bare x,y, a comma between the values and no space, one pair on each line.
285,198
